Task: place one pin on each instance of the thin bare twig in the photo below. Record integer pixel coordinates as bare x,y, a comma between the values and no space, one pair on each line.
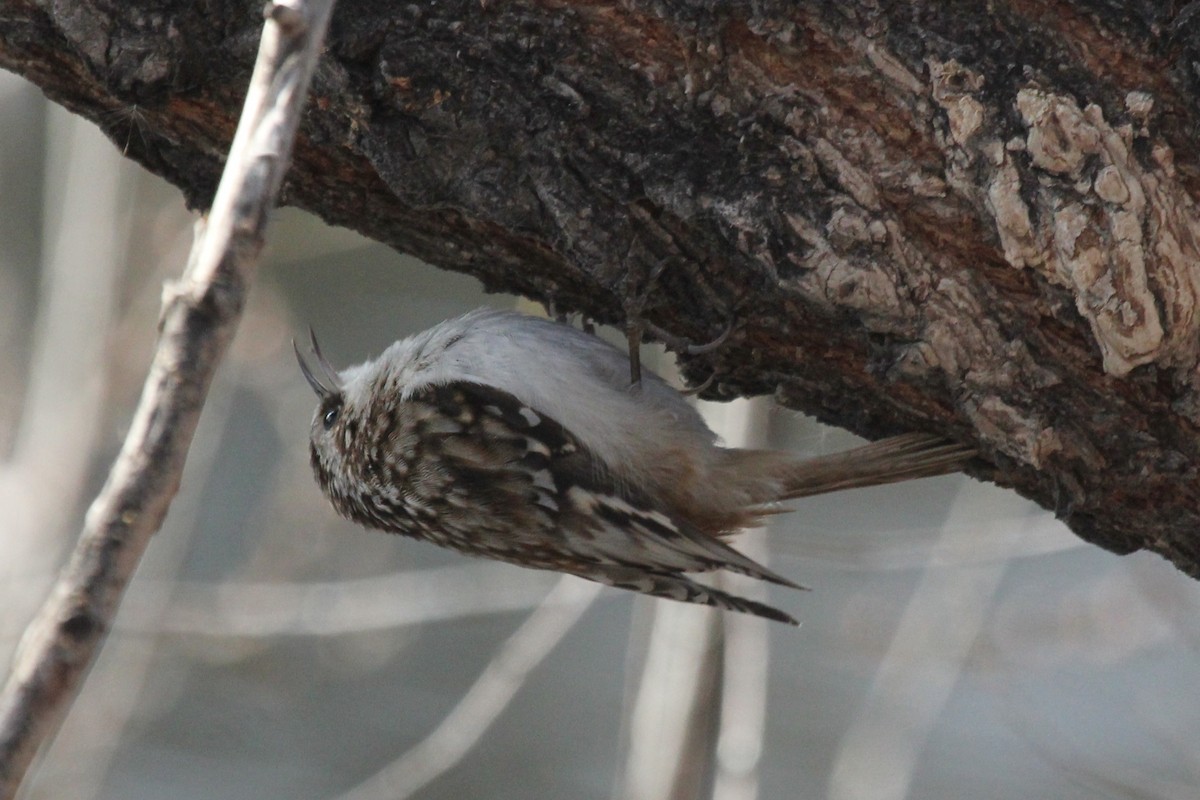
747,652
199,317
879,753
744,686
672,712
45,476
680,707
486,699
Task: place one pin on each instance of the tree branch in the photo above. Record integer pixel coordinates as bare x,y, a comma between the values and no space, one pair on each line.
975,218
199,318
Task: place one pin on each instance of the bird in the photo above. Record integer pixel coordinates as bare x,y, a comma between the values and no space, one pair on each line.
522,439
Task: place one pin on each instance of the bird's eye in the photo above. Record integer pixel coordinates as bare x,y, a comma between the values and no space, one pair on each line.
331,417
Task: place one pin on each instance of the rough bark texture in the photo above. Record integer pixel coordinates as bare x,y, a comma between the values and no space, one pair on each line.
975,218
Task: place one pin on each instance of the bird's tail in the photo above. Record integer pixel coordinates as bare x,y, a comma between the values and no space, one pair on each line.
900,458
755,478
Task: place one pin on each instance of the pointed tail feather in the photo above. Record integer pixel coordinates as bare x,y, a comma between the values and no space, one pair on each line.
900,458
680,587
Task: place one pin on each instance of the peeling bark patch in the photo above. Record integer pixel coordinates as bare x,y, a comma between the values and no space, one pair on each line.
1012,217
1117,247
1060,137
1119,234
835,281
1021,436
856,182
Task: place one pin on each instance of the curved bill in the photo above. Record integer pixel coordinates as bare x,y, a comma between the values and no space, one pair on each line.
334,385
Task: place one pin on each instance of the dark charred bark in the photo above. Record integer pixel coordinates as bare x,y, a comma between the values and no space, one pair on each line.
976,218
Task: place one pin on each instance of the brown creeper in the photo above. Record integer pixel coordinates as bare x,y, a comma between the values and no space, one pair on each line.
520,439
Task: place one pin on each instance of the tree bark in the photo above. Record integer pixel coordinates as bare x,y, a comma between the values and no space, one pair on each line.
975,218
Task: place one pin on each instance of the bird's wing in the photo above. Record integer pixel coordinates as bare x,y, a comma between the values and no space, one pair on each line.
504,446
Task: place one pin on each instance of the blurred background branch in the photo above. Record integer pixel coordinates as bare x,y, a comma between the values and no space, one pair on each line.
487,697
199,317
